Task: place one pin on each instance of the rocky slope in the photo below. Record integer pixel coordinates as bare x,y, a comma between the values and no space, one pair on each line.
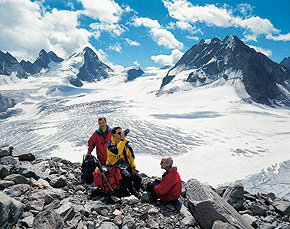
48,193
231,61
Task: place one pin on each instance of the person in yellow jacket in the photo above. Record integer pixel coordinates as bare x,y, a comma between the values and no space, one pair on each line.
121,155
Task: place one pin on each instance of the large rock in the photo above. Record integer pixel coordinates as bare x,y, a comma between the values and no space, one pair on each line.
207,206
65,210
17,190
32,171
6,183
9,160
10,210
3,171
235,196
58,182
282,207
222,225
23,155
48,218
17,179
4,152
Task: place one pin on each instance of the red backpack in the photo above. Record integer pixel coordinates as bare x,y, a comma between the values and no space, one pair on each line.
113,176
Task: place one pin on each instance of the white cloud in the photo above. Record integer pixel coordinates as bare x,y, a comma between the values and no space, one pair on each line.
136,63
184,11
192,38
184,25
245,9
107,11
26,28
171,25
266,52
117,47
160,35
114,29
250,37
168,59
132,43
281,37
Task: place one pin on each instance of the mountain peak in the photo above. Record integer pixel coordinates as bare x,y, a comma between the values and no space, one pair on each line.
89,53
213,60
42,52
286,62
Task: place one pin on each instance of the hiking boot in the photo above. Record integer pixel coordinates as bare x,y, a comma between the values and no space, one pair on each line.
138,195
135,193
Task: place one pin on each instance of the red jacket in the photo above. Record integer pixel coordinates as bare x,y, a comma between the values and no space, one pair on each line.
170,187
98,141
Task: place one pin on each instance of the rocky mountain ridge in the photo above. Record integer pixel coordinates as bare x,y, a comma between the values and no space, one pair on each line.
285,62
33,191
230,59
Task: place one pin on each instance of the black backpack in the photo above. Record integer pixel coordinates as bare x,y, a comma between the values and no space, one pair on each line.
88,167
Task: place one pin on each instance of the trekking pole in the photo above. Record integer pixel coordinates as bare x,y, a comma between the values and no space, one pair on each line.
103,174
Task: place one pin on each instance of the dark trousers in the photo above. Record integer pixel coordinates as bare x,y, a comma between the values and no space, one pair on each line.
133,183
150,188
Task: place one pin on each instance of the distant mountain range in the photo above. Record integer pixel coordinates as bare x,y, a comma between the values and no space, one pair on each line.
211,62
230,61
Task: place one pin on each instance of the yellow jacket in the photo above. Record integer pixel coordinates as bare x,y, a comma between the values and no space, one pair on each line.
116,152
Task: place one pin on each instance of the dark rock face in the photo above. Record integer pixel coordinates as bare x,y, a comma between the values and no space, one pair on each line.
76,82
10,210
45,58
216,59
6,102
92,69
134,73
9,64
285,62
41,62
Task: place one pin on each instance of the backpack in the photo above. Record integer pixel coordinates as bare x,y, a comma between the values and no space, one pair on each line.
88,167
113,176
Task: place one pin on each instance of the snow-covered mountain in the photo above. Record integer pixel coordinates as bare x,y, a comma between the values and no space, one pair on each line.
229,61
41,62
212,134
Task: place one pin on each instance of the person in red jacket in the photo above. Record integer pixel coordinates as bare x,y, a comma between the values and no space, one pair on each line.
169,188
100,139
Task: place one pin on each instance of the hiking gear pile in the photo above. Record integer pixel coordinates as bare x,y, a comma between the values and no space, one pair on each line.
107,178
88,167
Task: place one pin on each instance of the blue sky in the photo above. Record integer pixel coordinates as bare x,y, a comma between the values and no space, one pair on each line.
142,33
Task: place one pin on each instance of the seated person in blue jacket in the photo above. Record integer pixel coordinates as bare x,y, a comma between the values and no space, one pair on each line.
120,154
169,188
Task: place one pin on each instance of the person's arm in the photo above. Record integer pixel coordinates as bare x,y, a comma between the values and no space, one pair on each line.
165,186
91,144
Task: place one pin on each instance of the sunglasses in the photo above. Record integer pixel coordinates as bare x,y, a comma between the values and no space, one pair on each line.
162,162
119,133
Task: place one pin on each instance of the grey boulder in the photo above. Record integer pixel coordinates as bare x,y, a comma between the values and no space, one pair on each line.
207,207
10,210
